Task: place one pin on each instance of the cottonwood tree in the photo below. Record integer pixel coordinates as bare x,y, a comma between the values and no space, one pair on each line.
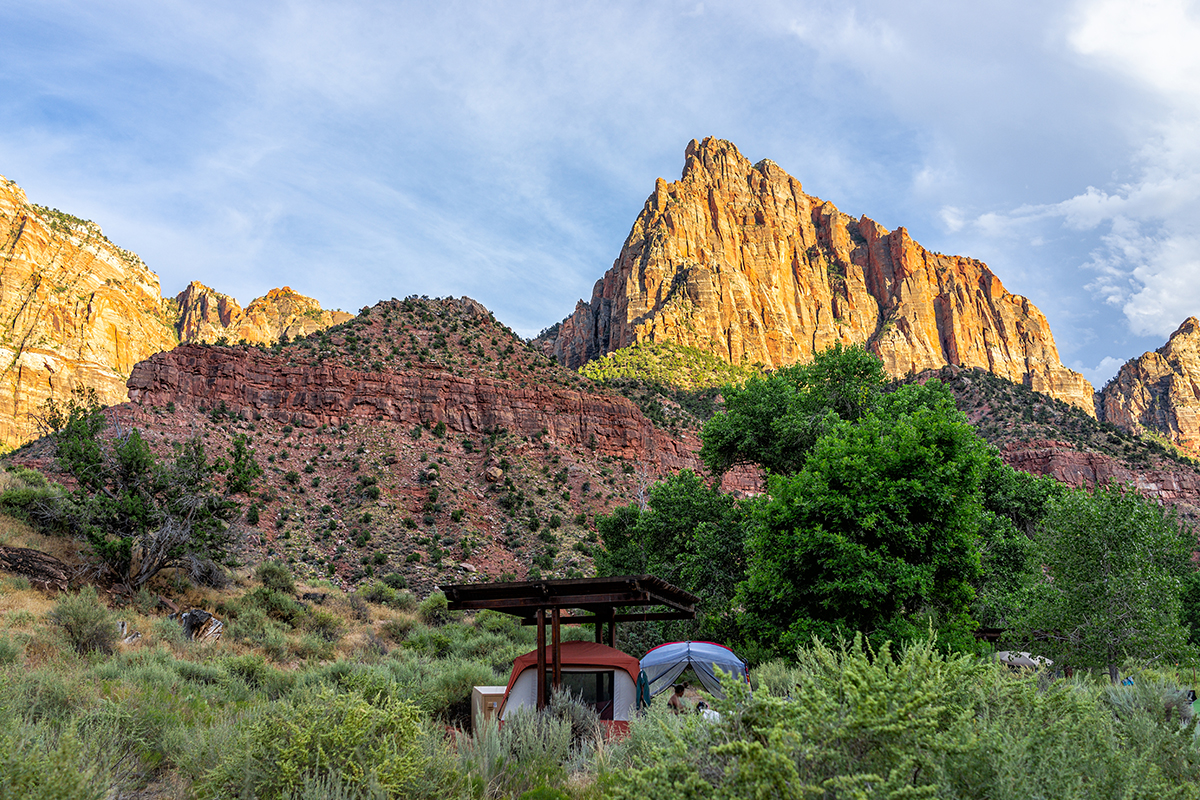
876,534
774,421
140,515
1115,566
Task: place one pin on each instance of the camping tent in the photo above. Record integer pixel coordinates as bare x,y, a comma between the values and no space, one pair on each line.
602,676
666,662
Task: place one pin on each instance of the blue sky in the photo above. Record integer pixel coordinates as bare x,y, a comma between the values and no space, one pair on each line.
358,151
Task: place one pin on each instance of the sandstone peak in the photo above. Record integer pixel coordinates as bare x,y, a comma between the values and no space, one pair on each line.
206,315
75,310
735,259
1160,390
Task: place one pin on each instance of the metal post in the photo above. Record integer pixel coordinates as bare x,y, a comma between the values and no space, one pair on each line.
612,629
541,659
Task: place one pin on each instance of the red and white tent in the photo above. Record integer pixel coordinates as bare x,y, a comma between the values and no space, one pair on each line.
601,676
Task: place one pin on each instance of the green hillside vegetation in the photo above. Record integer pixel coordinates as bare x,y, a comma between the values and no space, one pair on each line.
888,532
349,697
674,386
670,364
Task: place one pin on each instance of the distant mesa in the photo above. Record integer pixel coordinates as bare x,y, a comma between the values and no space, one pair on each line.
736,260
77,310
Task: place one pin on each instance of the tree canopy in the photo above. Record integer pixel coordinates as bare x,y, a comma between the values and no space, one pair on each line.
1115,567
877,533
774,421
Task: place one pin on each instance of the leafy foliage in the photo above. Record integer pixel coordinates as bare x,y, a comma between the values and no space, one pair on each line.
669,364
775,421
1115,568
690,535
876,533
141,516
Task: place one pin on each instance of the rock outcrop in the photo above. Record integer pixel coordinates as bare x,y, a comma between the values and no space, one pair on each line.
735,259
1160,390
75,310
206,315
1178,487
252,383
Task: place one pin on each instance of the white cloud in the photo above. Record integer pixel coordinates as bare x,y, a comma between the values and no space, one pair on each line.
1102,372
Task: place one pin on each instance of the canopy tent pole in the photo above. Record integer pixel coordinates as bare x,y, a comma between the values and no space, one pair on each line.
557,654
541,659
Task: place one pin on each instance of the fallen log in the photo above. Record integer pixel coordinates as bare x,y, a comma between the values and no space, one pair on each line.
42,569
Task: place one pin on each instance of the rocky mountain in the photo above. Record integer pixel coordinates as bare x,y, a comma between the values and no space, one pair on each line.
1160,390
1044,436
206,315
77,310
421,437
735,259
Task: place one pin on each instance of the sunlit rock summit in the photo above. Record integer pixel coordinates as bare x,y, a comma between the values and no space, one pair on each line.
736,260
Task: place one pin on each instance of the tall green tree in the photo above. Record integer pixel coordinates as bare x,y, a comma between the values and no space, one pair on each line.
1115,568
690,535
1014,504
877,533
774,421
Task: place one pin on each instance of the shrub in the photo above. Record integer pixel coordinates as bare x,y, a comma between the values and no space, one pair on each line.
434,610
370,748
276,576
379,593
321,623
88,625
395,580
398,629
9,652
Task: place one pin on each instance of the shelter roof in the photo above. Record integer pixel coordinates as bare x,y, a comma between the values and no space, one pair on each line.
599,596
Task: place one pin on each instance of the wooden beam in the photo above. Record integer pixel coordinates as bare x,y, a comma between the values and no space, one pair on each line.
541,659
579,619
557,652
561,601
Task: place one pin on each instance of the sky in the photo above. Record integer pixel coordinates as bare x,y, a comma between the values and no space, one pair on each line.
362,150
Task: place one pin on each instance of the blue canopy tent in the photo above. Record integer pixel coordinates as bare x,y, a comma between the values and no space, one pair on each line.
665,663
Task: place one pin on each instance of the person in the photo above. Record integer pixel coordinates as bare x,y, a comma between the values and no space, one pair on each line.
676,702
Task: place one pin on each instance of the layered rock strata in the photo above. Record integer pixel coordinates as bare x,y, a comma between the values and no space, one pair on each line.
206,315
251,382
735,259
75,310
1160,390
1176,487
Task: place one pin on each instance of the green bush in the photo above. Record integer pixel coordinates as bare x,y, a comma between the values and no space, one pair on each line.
276,576
369,748
88,625
434,610
9,652
379,593
35,764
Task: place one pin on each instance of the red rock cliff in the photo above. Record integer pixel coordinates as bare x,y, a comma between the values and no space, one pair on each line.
734,258
250,381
